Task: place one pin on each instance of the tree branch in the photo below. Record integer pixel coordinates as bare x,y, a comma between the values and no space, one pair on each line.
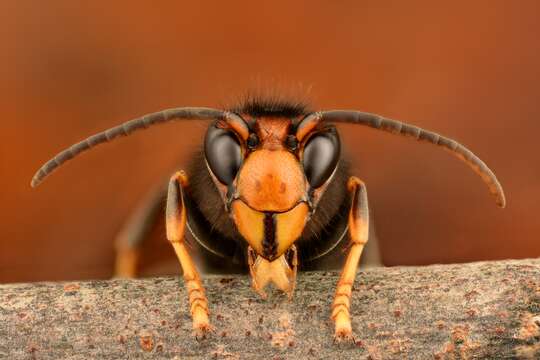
478,310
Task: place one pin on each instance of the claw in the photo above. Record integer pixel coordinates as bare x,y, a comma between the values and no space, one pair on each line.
344,335
201,331
343,326
201,323
259,289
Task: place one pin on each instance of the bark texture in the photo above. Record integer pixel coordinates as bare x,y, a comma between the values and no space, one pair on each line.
485,310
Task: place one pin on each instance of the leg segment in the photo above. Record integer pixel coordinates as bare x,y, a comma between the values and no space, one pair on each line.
130,238
176,225
358,232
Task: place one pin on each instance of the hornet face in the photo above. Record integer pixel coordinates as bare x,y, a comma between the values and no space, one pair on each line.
271,173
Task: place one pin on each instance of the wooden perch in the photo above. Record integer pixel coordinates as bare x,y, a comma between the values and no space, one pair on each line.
479,310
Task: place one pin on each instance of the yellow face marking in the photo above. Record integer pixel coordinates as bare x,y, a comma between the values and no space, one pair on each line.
249,223
290,226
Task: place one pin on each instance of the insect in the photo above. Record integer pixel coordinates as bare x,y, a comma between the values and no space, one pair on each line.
270,189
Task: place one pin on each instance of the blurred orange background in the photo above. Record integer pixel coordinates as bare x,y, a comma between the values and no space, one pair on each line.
467,69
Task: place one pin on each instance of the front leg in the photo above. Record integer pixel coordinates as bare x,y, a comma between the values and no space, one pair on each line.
176,224
358,233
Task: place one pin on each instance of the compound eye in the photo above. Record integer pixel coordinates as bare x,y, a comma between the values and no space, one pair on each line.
223,154
320,158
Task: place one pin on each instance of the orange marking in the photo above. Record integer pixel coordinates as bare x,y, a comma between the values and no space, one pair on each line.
347,293
307,125
358,231
271,181
196,290
290,226
249,223
176,224
238,125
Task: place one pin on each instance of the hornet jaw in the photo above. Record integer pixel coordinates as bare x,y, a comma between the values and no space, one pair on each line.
281,271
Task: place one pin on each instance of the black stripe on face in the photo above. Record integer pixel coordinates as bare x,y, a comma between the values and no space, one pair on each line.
269,242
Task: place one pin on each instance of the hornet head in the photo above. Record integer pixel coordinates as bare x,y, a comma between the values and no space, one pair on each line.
271,170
